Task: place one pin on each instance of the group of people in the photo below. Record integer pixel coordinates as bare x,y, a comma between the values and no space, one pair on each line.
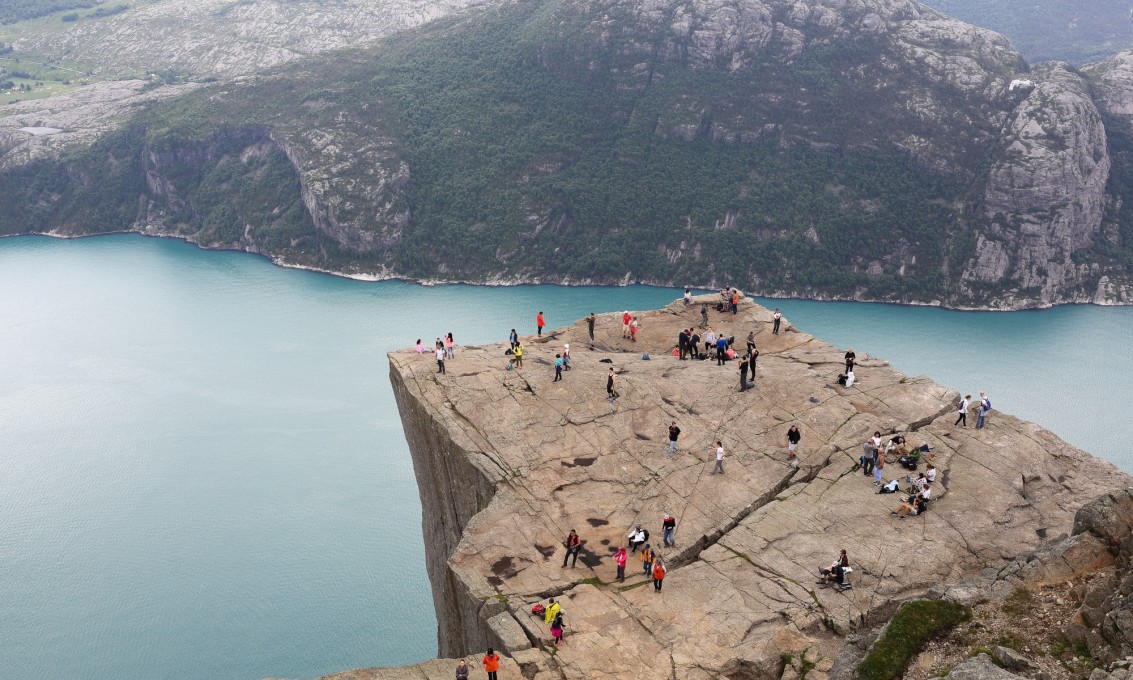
982,409
444,348
873,462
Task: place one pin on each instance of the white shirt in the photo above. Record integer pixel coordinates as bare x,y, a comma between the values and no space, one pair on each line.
850,379
710,338
720,453
440,355
963,406
927,492
930,474
777,315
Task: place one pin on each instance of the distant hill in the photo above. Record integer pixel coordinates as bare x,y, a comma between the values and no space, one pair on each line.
1078,32
874,150
12,11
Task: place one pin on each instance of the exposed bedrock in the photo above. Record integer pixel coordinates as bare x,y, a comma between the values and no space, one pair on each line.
508,461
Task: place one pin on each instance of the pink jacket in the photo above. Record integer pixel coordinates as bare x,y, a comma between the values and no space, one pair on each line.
620,557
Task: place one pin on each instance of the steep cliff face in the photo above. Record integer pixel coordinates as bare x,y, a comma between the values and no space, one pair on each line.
1046,190
509,461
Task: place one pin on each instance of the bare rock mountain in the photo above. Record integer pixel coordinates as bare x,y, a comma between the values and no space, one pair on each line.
508,461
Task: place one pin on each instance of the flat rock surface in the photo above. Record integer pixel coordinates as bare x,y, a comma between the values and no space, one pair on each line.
741,585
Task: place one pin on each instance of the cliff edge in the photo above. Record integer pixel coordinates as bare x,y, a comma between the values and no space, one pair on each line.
508,462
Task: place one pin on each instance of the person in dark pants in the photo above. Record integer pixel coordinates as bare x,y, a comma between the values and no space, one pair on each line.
850,356
744,387
573,544
558,368
658,575
539,323
721,350
703,315
611,393
962,413
793,438
777,316
440,360
750,342
682,343
491,664
751,364
590,326
674,433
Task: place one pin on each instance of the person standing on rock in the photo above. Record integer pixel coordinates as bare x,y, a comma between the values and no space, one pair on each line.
982,410
703,315
658,575
721,350
750,342
539,324
558,368
647,559
462,670
682,343
566,356
869,453
513,338
611,393
850,357
517,352
450,346
557,625
751,364
744,387
688,296
674,433
573,544
633,326
777,316
440,360
719,459
878,469
491,663
590,318
793,439
620,559
626,318
962,414
709,340
668,530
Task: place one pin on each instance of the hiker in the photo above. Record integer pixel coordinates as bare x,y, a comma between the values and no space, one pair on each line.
558,368
557,628
462,670
750,342
982,410
703,315
688,297
751,364
513,338
719,459
962,416
709,340
777,316
420,347
620,559
491,663
682,343
793,438
517,351
744,387
735,301
694,344
668,530
721,350
539,323
566,356
440,360
590,327
647,559
626,318
850,356
674,433
573,544
450,346
658,575
553,609
637,538
869,453
633,326
878,466
611,393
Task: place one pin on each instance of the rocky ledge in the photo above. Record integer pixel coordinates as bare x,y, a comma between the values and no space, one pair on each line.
508,462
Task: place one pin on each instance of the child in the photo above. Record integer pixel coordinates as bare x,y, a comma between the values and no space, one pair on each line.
557,628
558,368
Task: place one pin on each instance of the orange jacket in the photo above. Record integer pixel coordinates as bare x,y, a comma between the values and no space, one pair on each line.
491,663
658,571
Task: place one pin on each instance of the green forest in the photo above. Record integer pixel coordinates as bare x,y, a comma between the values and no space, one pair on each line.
12,11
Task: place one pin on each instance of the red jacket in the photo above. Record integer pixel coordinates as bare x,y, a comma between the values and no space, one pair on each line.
539,320
491,663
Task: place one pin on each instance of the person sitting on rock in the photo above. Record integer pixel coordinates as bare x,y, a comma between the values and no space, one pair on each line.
913,505
835,573
637,538
930,473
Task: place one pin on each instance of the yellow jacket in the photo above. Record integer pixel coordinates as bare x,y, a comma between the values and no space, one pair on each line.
552,611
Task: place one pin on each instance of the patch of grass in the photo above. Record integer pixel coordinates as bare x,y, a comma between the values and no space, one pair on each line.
1019,603
806,665
593,581
502,599
914,624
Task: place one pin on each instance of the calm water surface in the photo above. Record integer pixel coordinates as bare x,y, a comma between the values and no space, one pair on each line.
202,470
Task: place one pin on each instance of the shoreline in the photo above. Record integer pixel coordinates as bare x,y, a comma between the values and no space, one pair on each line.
540,281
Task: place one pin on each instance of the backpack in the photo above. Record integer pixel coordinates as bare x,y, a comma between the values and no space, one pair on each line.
646,532
987,403
538,610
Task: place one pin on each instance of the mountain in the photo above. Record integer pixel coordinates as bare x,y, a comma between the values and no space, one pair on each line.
1044,30
823,148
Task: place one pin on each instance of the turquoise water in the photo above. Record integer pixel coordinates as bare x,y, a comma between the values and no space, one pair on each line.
202,470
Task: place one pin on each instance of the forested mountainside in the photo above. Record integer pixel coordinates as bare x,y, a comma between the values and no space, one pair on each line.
868,149
1045,30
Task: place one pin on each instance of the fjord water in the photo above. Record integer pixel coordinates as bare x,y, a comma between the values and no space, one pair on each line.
202,470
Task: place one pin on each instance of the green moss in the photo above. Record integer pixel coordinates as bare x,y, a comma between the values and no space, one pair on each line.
913,625
1019,603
